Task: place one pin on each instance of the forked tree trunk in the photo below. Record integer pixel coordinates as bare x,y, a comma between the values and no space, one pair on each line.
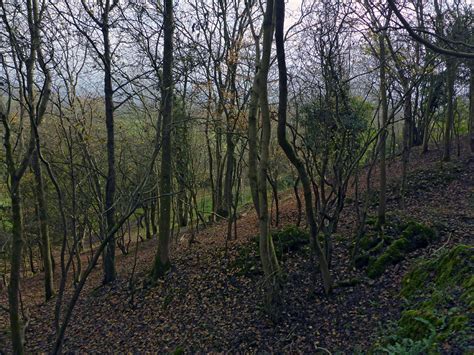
258,172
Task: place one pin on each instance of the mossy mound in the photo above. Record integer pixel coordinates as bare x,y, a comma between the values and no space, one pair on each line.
439,304
370,241
380,250
453,268
288,239
414,236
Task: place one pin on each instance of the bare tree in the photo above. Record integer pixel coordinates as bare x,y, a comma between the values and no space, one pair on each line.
25,53
162,259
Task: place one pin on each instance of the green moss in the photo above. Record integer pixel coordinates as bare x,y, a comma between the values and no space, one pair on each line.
452,268
457,323
371,220
417,324
363,260
288,239
247,260
468,295
394,253
178,351
369,241
413,236
418,234
439,294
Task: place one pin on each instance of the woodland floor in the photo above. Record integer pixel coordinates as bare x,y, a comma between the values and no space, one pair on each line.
203,304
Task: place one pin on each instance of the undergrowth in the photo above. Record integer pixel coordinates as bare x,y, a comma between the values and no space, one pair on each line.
288,239
439,299
382,249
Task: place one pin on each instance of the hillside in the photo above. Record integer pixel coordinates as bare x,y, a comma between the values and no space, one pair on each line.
206,302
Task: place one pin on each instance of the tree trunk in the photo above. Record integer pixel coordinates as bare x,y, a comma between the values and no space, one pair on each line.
471,106
16,326
146,214
407,130
218,188
109,254
286,147
162,258
427,118
383,135
274,186
449,123
298,200
258,172
44,230
229,179
154,229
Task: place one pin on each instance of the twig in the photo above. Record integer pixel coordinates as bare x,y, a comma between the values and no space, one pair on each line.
444,244
321,348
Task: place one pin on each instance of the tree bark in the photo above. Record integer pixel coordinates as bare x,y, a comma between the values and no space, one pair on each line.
449,122
288,150
44,229
16,326
407,130
383,135
471,106
258,172
162,259
109,256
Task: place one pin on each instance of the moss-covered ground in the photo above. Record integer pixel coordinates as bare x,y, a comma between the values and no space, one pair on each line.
438,313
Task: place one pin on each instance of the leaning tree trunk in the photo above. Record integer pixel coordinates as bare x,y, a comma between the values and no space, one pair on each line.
285,145
162,258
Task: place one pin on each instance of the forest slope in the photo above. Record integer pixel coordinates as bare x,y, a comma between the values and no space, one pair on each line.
207,303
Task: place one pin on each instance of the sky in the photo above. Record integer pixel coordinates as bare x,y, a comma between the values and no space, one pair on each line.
293,4
292,7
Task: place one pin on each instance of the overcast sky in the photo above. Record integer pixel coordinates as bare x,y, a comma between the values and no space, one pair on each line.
293,4
292,8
